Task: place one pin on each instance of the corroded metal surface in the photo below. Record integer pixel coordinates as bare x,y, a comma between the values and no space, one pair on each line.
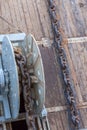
58,40
25,83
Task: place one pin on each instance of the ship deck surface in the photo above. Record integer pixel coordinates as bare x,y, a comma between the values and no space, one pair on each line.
31,16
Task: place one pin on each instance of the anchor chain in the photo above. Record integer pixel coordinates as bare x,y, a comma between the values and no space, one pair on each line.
58,39
24,82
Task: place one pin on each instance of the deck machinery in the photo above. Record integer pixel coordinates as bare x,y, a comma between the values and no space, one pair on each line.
10,86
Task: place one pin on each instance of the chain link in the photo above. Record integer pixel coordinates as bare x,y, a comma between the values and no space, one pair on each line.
64,64
24,82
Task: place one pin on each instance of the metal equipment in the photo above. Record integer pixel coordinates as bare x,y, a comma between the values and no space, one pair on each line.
9,85
21,70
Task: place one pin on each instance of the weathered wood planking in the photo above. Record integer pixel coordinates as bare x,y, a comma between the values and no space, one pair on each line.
73,17
28,16
77,59
78,55
32,17
58,121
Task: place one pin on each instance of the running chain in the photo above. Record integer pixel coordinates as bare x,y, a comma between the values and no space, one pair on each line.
24,82
64,64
